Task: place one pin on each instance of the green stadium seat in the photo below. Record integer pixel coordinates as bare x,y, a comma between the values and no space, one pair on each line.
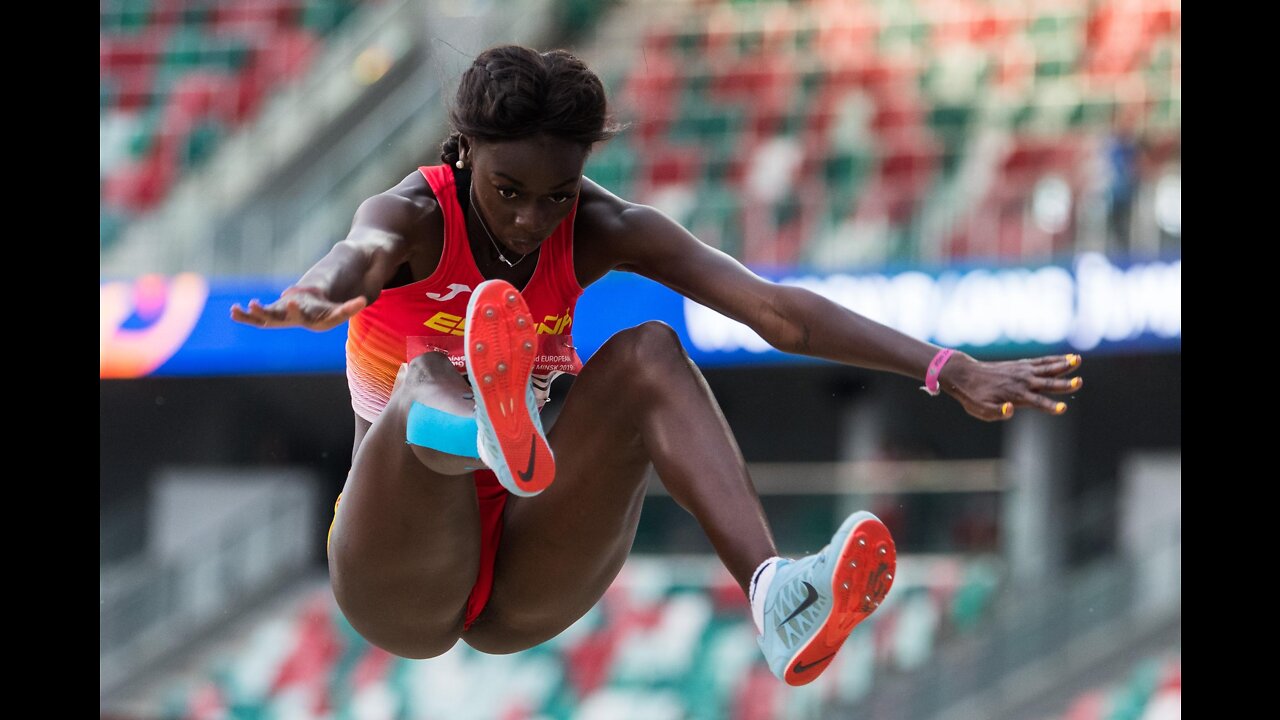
144,135
110,225
688,42
613,166
322,16
845,172
196,15
125,16
185,50
201,142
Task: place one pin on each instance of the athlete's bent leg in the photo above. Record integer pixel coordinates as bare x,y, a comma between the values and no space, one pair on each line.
640,400
404,548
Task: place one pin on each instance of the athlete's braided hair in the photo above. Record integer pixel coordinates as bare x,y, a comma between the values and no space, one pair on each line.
512,92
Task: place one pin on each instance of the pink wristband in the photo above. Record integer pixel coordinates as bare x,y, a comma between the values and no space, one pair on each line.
935,369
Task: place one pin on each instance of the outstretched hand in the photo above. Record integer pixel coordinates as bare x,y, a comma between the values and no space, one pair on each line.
992,390
298,309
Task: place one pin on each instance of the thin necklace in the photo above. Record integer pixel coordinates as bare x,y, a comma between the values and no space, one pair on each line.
471,190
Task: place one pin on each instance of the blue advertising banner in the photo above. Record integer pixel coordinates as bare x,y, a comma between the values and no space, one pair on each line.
181,325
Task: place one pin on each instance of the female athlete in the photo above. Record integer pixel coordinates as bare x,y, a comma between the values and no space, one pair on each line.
460,517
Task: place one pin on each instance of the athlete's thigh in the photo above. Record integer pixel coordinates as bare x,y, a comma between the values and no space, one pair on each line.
404,545
561,549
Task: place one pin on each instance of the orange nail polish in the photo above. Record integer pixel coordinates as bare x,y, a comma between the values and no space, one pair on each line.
1073,360
1075,383
1060,408
1006,408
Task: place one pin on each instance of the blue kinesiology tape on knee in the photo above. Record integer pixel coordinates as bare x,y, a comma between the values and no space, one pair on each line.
441,431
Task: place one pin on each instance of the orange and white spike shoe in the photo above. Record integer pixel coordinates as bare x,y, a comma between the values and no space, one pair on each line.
502,343
815,602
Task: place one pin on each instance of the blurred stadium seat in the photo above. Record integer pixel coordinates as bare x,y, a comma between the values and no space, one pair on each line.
677,629
890,110
177,75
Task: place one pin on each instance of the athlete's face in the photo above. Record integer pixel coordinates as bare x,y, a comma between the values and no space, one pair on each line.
524,188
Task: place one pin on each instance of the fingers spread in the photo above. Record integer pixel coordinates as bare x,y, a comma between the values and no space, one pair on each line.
991,412
1055,364
1055,385
1053,407
245,316
1005,410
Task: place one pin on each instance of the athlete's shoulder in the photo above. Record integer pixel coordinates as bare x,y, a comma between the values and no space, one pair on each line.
415,190
607,218
408,210
597,228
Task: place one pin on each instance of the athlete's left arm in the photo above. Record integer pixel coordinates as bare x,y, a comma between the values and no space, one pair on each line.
799,321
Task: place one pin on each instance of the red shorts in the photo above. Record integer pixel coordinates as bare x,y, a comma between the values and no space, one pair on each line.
492,498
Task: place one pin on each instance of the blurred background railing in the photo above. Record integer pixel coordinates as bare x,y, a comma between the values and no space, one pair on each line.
218,544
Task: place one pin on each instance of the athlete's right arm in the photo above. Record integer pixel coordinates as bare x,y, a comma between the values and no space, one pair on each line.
386,230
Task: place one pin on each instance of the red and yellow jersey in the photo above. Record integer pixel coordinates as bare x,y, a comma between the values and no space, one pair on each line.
430,315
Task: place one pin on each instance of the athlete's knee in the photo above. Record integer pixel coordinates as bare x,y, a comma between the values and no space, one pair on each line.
427,368
431,379
651,345
654,336
658,336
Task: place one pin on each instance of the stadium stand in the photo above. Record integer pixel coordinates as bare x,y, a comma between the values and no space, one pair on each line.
835,133
1152,691
176,76
828,133
671,639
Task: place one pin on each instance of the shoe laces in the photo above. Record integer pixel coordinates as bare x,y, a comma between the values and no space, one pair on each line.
816,563
822,555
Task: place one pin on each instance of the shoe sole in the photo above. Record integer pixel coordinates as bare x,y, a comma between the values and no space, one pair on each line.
867,562
501,344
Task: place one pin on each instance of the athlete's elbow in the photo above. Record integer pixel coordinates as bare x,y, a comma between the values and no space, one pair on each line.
793,340
784,325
